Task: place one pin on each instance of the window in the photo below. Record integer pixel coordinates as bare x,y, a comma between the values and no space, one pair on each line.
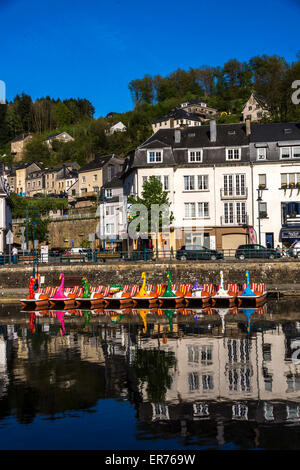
267,352
240,411
235,213
262,181
250,108
166,183
193,380
108,192
296,152
109,229
109,210
95,177
189,210
269,414
207,382
154,156
83,180
261,154
200,409
290,180
262,207
195,156
206,355
285,152
259,115
203,182
96,189
193,354
189,183
234,185
83,190
233,154
203,210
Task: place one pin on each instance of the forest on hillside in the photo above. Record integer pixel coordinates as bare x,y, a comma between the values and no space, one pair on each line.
225,88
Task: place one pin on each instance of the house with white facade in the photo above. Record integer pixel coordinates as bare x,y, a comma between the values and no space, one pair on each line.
275,162
5,213
61,136
207,175
117,127
112,213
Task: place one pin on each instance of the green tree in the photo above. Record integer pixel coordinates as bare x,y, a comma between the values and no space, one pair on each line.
153,368
37,150
152,194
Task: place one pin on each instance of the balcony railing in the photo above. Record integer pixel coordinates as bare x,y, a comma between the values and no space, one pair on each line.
234,193
235,220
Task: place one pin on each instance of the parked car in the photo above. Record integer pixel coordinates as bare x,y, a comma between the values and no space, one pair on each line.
56,251
256,251
294,250
197,252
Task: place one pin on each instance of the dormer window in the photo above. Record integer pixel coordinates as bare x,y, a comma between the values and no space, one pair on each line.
233,154
285,152
108,193
195,155
154,156
287,131
261,154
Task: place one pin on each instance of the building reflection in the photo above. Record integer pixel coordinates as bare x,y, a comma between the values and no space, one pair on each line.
196,371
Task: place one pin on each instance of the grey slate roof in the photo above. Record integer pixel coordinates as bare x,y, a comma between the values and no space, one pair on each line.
275,132
198,137
98,162
179,114
115,182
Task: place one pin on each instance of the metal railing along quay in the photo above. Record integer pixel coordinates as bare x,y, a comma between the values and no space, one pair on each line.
146,255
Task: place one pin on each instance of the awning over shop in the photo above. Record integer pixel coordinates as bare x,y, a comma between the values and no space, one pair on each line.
288,234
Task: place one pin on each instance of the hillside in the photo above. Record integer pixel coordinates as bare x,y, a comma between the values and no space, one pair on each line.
225,88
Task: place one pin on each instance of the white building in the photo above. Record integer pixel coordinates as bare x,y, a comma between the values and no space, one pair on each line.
112,213
212,175
117,127
5,213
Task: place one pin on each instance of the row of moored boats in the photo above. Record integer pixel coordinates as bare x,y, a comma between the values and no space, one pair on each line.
146,295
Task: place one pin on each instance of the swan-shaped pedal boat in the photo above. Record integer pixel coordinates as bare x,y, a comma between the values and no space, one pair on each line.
116,295
61,297
199,295
254,295
34,300
169,296
91,299
224,297
144,296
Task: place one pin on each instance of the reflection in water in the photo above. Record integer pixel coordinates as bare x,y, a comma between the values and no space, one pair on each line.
208,377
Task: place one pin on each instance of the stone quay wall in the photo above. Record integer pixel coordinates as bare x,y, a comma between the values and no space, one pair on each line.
273,273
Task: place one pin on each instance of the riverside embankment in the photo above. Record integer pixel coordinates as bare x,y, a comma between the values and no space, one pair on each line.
283,276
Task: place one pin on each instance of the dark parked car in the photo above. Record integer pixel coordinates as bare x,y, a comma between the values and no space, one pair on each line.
256,251
198,252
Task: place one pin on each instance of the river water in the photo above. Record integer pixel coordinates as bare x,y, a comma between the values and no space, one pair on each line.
141,379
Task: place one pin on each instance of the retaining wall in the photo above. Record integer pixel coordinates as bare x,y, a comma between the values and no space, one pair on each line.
273,273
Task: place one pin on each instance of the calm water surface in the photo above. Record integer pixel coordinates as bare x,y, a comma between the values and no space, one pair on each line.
141,379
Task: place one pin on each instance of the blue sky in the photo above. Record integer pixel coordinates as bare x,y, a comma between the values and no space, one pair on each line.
92,49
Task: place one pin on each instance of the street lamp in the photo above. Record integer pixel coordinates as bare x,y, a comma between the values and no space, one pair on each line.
34,223
103,215
259,199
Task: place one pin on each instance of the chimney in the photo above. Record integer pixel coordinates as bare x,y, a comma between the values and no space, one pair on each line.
177,135
248,126
213,130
